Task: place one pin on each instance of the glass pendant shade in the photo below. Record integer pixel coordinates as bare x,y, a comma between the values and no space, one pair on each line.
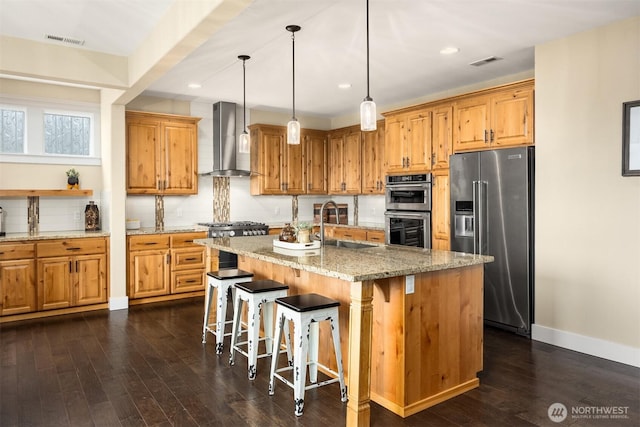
293,132
244,143
368,115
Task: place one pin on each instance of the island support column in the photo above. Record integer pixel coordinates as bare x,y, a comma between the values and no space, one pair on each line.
359,371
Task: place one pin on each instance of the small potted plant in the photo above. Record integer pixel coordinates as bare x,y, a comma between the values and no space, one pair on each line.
303,232
73,182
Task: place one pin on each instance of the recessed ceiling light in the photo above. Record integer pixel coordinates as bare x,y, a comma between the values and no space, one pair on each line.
344,86
194,85
450,50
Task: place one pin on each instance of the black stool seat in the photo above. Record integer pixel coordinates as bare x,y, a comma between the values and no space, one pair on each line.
307,302
229,273
259,286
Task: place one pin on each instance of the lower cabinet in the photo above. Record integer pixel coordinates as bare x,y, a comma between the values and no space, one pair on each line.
53,274
165,264
71,273
355,233
17,278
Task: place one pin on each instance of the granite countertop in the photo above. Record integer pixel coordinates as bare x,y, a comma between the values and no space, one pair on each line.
167,230
47,235
353,265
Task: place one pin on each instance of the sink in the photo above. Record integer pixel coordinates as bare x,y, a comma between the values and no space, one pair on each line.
348,245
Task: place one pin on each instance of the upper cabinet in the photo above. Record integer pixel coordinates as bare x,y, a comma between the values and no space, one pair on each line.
345,151
280,168
161,153
442,135
373,167
498,118
408,141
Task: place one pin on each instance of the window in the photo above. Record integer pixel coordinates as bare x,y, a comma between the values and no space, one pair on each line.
49,131
12,130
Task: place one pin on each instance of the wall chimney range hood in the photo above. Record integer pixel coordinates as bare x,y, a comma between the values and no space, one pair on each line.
224,141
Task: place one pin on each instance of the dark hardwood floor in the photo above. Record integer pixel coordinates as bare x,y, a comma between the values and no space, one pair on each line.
147,367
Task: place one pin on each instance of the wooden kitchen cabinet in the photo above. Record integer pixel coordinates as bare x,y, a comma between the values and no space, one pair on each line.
163,265
494,119
17,278
408,142
161,153
188,262
345,151
71,273
373,166
354,233
440,215
278,166
442,136
315,150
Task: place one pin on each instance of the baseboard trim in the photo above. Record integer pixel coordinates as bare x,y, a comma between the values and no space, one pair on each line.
588,345
118,303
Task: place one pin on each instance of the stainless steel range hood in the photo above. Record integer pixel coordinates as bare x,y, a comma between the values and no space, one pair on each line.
224,141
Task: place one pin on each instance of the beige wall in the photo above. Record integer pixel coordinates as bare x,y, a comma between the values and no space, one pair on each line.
587,215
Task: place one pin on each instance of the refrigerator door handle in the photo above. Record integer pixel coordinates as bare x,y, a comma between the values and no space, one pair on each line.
476,213
483,211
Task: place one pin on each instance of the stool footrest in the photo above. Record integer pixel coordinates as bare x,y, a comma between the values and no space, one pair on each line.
277,374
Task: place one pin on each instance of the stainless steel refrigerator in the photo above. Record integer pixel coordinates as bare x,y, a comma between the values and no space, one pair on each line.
492,197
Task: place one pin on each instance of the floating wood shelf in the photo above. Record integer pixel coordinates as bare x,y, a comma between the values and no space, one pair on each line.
49,193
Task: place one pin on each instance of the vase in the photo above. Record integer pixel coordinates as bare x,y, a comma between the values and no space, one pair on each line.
91,217
288,234
73,182
304,235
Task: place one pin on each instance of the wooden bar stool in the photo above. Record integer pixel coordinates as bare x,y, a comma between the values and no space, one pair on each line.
259,296
222,281
305,311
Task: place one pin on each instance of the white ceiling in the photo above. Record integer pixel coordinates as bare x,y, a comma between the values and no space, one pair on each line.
405,39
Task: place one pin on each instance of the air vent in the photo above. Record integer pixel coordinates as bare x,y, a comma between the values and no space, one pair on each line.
62,39
484,61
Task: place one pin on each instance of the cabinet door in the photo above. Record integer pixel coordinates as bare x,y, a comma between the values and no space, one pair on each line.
419,142
316,163
17,287
442,137
271,161
148,273
373,161
394,144
143,159
292,164
441,209
90,279
471,124
179,158
512,118
336,172
351,163
376,236
54,282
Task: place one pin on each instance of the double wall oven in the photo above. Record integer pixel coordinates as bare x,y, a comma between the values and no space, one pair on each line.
408,210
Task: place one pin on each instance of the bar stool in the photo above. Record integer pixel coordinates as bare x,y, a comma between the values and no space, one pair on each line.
305,311
259,296
222,281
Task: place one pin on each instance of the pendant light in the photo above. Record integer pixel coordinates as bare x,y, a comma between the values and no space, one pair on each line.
243,141
368,107
293,127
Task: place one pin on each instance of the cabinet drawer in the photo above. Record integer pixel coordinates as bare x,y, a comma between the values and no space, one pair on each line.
375,236
71,247
186,239
150,241
187,258
349,233
187,281
10,251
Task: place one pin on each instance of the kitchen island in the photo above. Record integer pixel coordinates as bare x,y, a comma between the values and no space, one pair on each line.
410,319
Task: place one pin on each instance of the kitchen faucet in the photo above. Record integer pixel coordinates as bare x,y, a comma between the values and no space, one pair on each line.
328,202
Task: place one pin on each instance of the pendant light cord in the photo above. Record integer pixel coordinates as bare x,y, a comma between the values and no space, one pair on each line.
244,94
293,56
368,98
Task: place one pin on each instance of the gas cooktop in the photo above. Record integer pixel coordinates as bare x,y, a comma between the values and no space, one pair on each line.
236,228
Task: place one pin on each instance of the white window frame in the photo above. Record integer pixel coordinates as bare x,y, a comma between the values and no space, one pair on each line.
34,133
6,106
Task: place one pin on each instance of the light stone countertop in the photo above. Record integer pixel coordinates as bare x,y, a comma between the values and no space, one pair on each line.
352,265
48,235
